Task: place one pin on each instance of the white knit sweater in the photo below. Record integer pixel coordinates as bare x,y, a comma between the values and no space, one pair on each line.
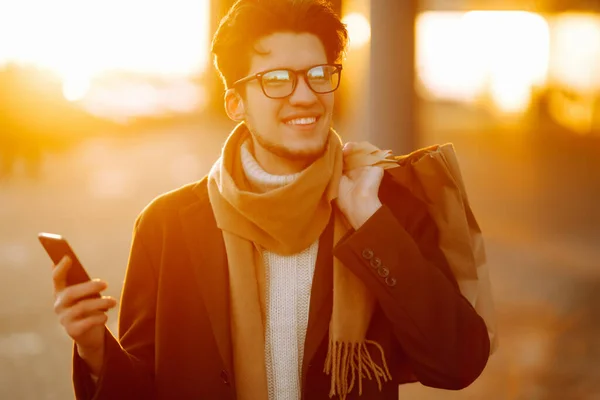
288,282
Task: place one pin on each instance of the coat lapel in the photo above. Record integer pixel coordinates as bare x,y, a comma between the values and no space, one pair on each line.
204,241
206,248
321,297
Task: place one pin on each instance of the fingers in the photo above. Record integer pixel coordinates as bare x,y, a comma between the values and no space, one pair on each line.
372,174
363,182
59,274
73,294
354,174
86,308
348,147
87,314
77,328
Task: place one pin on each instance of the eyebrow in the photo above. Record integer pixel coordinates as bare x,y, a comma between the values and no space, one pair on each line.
257,49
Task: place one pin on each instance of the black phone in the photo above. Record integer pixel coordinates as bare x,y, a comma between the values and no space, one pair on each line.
57,247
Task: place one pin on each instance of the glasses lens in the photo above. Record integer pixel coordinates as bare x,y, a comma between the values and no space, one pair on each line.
278,83
324,78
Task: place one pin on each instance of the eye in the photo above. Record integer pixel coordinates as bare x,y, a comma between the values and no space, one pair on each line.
323,78
319,73
277,77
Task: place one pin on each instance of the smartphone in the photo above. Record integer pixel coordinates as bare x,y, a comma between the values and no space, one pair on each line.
57,247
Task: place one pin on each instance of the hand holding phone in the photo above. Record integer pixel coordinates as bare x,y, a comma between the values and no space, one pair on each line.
79,305
57,247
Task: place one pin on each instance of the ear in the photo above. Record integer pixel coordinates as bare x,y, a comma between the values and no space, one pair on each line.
234,105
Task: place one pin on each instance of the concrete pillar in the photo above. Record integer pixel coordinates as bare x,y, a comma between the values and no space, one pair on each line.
392,103
352,99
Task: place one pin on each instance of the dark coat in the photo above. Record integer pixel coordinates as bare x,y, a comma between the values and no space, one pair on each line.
174,323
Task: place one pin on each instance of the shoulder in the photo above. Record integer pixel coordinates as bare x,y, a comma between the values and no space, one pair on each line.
168,205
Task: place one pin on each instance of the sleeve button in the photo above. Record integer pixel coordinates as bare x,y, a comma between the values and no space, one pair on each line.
390,281
375,262
367,254
383,272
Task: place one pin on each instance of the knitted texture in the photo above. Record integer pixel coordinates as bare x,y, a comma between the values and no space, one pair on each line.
289,282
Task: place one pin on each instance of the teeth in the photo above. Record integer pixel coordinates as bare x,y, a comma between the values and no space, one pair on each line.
302,121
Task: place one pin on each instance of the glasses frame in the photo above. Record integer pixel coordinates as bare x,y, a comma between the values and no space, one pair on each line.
295,72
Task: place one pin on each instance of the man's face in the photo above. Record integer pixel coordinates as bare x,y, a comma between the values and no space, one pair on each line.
295,127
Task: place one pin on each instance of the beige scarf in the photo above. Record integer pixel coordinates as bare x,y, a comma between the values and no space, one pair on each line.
254,221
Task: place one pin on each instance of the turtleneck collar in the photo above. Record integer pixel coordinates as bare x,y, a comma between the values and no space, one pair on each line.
261,180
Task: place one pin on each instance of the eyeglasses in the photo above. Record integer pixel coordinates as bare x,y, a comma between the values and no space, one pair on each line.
282,82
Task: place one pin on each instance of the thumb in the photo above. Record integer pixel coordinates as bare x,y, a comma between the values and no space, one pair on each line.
59,273
347,148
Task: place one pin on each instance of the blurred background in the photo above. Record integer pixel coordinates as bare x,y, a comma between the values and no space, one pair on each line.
106,104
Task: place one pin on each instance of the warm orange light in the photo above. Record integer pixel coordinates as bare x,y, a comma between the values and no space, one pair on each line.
447,66
516,58
575,61
359,29
496,54
574,70
80,40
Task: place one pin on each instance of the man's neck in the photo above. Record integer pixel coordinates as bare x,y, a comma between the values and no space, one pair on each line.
260,180
276,165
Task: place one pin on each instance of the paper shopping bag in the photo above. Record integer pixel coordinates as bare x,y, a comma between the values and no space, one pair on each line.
432,174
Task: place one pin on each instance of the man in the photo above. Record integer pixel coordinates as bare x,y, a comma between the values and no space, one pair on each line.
279,275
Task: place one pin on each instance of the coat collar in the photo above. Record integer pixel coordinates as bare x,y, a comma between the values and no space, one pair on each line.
204,242
321,297
206,248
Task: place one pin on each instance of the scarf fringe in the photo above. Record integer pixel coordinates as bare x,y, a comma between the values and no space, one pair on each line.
346,362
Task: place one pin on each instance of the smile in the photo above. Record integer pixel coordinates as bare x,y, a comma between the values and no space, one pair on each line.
302,121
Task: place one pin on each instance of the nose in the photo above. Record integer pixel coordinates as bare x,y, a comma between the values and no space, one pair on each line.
303,95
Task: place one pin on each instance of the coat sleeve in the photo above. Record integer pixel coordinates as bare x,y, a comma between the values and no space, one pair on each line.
127,371
396,255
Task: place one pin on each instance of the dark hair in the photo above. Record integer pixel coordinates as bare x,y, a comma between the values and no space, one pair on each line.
250,20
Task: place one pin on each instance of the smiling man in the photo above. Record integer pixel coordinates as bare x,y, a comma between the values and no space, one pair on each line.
281,274
286,101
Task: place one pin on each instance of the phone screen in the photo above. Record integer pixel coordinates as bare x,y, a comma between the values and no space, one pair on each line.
57,247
